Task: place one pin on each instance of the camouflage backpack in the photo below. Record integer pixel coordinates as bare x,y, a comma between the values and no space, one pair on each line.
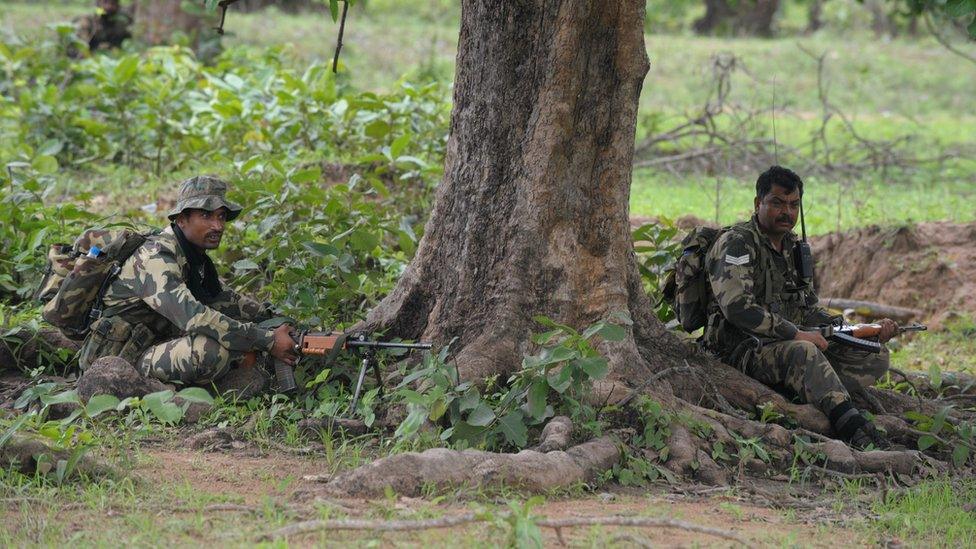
686,286
75,281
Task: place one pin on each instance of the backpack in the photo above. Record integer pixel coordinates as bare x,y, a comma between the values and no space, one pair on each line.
75,281
686,286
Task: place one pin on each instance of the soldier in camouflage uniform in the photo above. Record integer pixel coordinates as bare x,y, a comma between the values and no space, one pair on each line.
107,28
759,320
167,312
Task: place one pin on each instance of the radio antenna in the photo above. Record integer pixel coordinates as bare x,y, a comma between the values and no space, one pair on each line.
775,141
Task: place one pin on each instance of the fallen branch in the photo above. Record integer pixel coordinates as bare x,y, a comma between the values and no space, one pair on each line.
467,518
870,309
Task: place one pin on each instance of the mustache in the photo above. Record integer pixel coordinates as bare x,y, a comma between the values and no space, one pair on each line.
214,233
784,218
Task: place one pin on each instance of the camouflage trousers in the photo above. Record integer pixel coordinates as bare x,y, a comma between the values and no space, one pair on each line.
197,359
824,379
189,360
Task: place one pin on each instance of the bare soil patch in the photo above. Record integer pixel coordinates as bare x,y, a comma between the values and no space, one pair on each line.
929,266
246,476
250,476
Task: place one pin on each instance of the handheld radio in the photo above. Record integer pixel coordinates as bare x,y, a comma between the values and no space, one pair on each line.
802,254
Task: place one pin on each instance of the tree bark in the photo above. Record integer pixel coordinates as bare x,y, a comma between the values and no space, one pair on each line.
745,17
532,215
157,20
815,16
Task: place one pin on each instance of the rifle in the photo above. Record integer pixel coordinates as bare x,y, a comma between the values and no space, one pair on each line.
329,345
856,335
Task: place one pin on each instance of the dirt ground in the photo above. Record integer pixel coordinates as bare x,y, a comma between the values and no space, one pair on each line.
250,476
929,266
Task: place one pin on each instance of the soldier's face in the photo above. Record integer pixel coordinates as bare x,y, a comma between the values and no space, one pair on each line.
203,228
777,212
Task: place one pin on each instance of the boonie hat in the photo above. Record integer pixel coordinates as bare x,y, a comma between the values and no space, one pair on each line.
204,192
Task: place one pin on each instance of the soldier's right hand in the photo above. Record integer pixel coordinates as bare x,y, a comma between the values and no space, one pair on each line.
284,345
813,337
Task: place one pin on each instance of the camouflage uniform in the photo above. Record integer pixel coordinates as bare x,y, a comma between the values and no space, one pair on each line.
758,292
106,30
153,320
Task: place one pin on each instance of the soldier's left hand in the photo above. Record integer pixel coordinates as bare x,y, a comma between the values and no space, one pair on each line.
888,330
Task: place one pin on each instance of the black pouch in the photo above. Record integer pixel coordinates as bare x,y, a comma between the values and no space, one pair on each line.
108,336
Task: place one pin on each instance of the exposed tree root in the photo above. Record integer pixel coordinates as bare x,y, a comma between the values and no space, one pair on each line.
407,474
308,526
23,453
556,435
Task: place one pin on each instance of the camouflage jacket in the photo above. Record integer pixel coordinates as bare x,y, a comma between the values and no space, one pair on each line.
151,290
756,290
108,30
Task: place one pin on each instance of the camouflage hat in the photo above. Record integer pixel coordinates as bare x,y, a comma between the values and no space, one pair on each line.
204,192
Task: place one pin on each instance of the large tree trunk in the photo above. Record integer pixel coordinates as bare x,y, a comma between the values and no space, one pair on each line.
532,215
532,218
744,17
157,20
815,16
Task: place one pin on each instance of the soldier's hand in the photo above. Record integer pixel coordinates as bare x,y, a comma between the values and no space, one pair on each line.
284,345
888,330
813,337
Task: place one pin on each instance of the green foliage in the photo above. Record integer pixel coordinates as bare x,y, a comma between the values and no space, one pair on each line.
322,255
941,435
657,250
554,381
962,10
78,432
931,513
162,109
336,183
749,448
28,223
643,465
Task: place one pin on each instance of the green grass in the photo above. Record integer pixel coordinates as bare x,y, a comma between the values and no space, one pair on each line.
829,205
930,514
950,350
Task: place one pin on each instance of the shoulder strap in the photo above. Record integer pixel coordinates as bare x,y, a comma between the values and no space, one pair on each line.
127,250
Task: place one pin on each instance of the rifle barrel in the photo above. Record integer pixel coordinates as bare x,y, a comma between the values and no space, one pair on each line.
386,344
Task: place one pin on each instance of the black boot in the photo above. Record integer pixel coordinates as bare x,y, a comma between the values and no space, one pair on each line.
853,428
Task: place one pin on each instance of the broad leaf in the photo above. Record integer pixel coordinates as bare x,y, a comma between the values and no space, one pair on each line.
101,403
925,442
959,455
595,366
195,394
513,427
481,416
161,405
612,332
537,399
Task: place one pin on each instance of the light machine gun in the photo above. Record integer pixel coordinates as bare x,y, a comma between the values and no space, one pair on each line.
329,345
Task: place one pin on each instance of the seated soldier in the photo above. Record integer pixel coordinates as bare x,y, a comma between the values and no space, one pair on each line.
107,28
758,293
186,328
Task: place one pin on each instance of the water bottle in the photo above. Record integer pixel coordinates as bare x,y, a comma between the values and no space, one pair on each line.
94,251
